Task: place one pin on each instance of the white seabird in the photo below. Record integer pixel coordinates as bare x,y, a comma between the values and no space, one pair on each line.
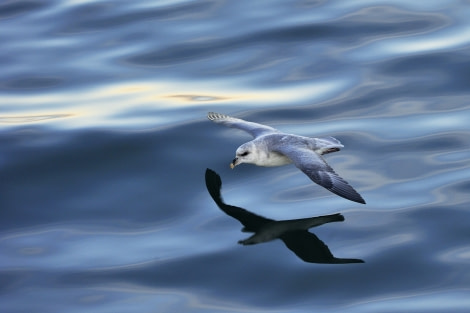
274,148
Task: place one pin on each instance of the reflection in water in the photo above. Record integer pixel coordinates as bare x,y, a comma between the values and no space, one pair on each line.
294,233
195,98
30,118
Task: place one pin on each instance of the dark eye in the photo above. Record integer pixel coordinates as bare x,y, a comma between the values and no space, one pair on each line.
244,153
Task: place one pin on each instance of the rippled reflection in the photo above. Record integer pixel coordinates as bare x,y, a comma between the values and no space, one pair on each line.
31,118
294,233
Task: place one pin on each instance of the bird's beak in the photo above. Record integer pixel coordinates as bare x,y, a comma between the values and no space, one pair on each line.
234,163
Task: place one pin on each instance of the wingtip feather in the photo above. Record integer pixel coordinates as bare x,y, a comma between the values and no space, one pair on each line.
347,192
214,116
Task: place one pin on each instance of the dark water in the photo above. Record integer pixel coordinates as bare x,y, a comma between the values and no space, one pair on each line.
104,144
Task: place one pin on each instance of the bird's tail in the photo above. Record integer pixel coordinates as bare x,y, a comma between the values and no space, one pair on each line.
328,144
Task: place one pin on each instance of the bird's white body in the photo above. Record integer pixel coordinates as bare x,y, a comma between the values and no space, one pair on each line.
262,149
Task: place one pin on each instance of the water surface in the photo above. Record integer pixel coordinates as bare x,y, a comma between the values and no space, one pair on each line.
104,144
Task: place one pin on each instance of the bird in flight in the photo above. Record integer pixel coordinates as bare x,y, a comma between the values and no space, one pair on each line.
270,147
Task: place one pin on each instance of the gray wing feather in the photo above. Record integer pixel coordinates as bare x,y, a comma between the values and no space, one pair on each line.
254,129
315,167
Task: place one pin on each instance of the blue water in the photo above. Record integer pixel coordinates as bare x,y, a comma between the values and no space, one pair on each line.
104,143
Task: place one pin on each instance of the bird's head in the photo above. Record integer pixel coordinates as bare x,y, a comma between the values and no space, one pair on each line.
244,154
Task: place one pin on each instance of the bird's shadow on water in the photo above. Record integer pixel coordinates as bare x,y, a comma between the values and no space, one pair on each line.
294,233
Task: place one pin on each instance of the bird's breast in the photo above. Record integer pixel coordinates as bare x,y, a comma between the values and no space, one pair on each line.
274,159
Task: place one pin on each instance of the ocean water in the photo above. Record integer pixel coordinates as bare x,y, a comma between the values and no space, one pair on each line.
104,146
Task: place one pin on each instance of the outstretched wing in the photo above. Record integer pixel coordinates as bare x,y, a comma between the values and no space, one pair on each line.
307,246
310,248
254,129
251,221
319,171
